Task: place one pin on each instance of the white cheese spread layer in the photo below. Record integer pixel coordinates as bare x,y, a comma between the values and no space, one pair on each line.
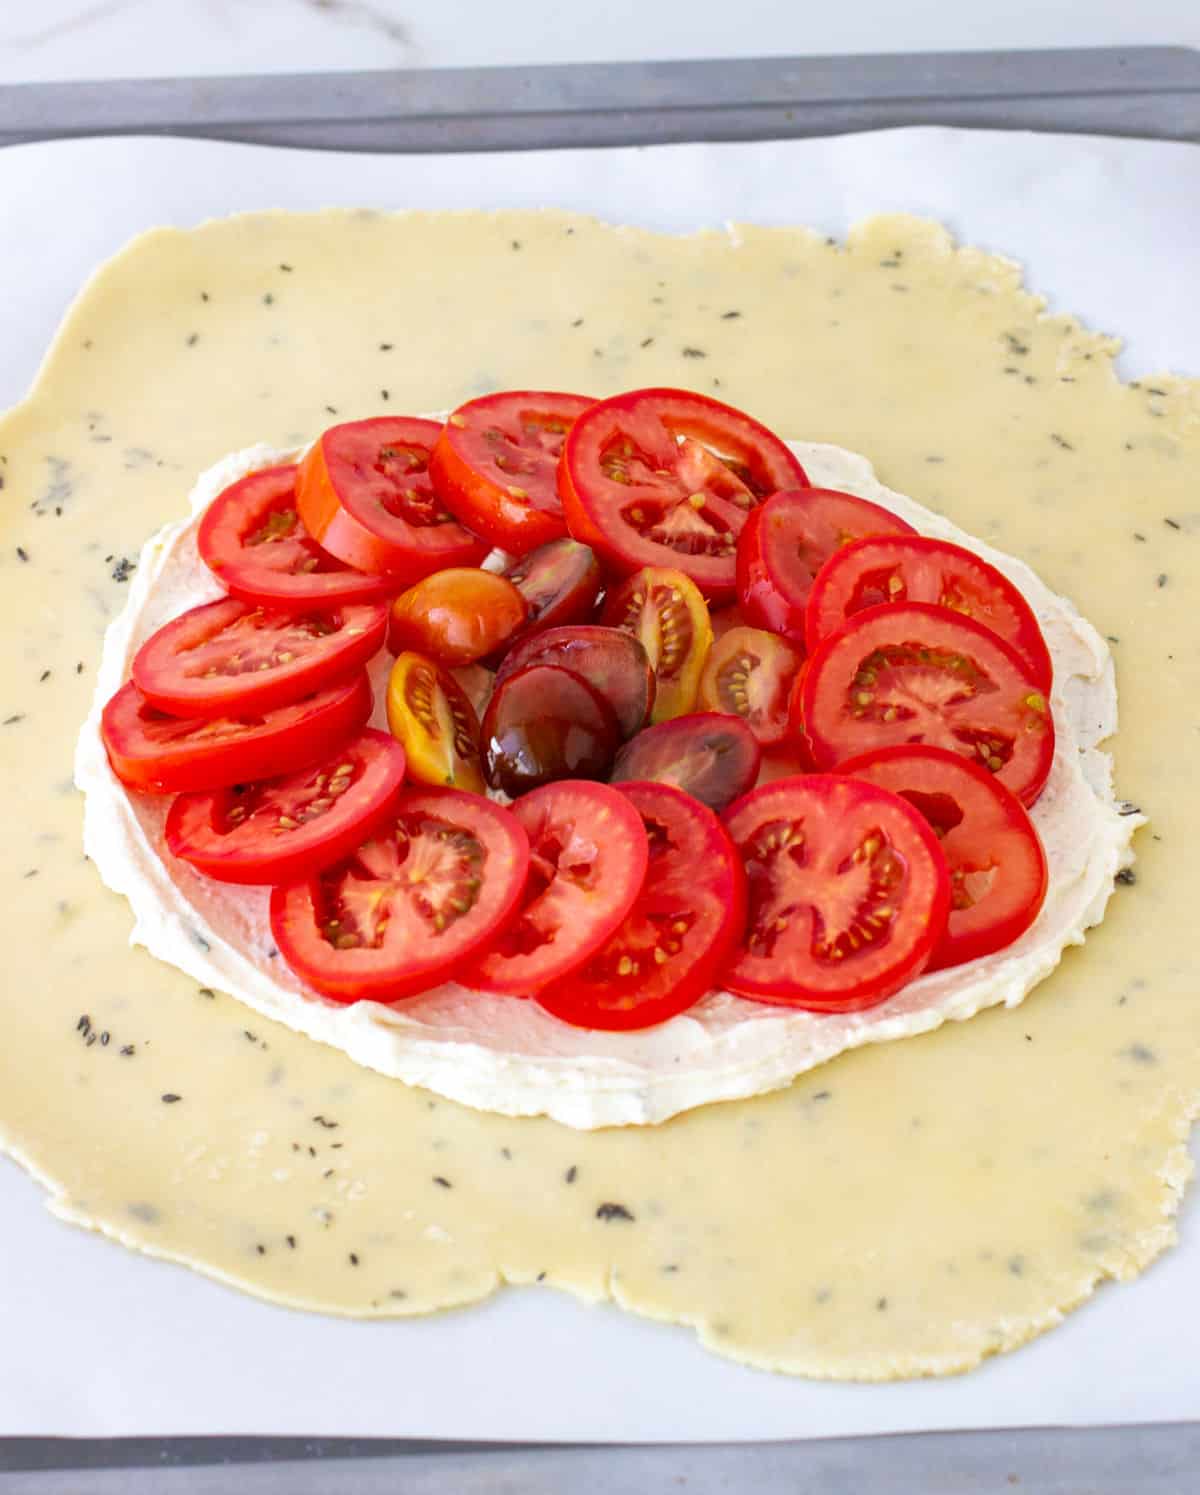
505,1054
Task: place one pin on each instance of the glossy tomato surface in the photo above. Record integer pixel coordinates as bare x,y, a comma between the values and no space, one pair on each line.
688,917
994,855
909,672
275,830
712,756
560,582
665,477
545,723
749,674
495,465
612,662
364,493
663,609
411,905
848,893
430,716
456,616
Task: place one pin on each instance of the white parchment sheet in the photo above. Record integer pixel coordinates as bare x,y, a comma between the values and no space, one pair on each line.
95,1340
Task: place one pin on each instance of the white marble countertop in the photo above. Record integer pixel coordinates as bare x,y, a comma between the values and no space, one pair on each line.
62,39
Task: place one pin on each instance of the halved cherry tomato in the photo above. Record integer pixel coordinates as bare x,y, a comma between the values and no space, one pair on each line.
430,716
849,893
908,672
711,756
252,539
664,477
456,616
276,830
996,862
664,610
495,465
588,856
688,917
167,754
232,656
364,492
911,568
749,674
545,723
612,662
786,542
560,581
412,905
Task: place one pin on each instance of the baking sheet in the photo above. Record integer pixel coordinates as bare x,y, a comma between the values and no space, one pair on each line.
97,1341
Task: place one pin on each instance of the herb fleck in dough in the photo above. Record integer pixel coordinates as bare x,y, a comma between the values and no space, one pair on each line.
1055,461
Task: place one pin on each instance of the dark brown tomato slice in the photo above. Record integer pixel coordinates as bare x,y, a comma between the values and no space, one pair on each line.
560,582
612,662
997,866
713,757
749,674
665,477
687,919
365,494
911,568
232,656
786,542
168,754
430,716
848,893
412,905
456,616
276,830
588,857
912,673
545,723
664,610
252,539
495,465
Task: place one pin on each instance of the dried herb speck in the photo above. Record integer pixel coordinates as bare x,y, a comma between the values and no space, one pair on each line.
287,269
326,1123
730,316
123,569
1160,580
646,342
1173,523
613,1212
1140,1054
192,339
1061,441
261,1249
22,553
571,1174
170,1098
354,1258
268,299
291,1240
11,721
443,1183
1126,877
693,352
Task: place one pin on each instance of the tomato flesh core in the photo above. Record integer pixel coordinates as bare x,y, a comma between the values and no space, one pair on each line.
664,610
749,674
430,716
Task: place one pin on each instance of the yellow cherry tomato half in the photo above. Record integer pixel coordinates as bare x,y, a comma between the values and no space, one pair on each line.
666,613
431,717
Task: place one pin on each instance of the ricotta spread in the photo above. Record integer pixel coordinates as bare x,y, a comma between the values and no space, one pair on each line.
506,1054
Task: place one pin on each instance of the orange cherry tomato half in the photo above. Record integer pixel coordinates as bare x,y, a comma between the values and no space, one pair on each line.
749,674
665,477
364,493
495,465
663,609
456,616
430,716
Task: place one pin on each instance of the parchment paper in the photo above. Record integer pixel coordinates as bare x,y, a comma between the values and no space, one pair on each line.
97,1341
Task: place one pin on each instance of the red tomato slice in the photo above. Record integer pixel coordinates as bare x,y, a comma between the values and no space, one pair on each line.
749,674
412,905
911,568
785,543
908,672
996,862
168,754
588,856
365,493
277,830
664,477
848,893
496,462
252,539
688,917
231,656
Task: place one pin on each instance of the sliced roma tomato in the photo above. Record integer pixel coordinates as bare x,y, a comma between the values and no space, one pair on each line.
687,919
232,656
909,672
364,492
412,905
168,754
252,539
456,616
276,830
749,674
560,582
994,855
430,716
588,855
910,568
545,723
713,757
664,610
496,461
664,477
612,662
786,542
848,893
